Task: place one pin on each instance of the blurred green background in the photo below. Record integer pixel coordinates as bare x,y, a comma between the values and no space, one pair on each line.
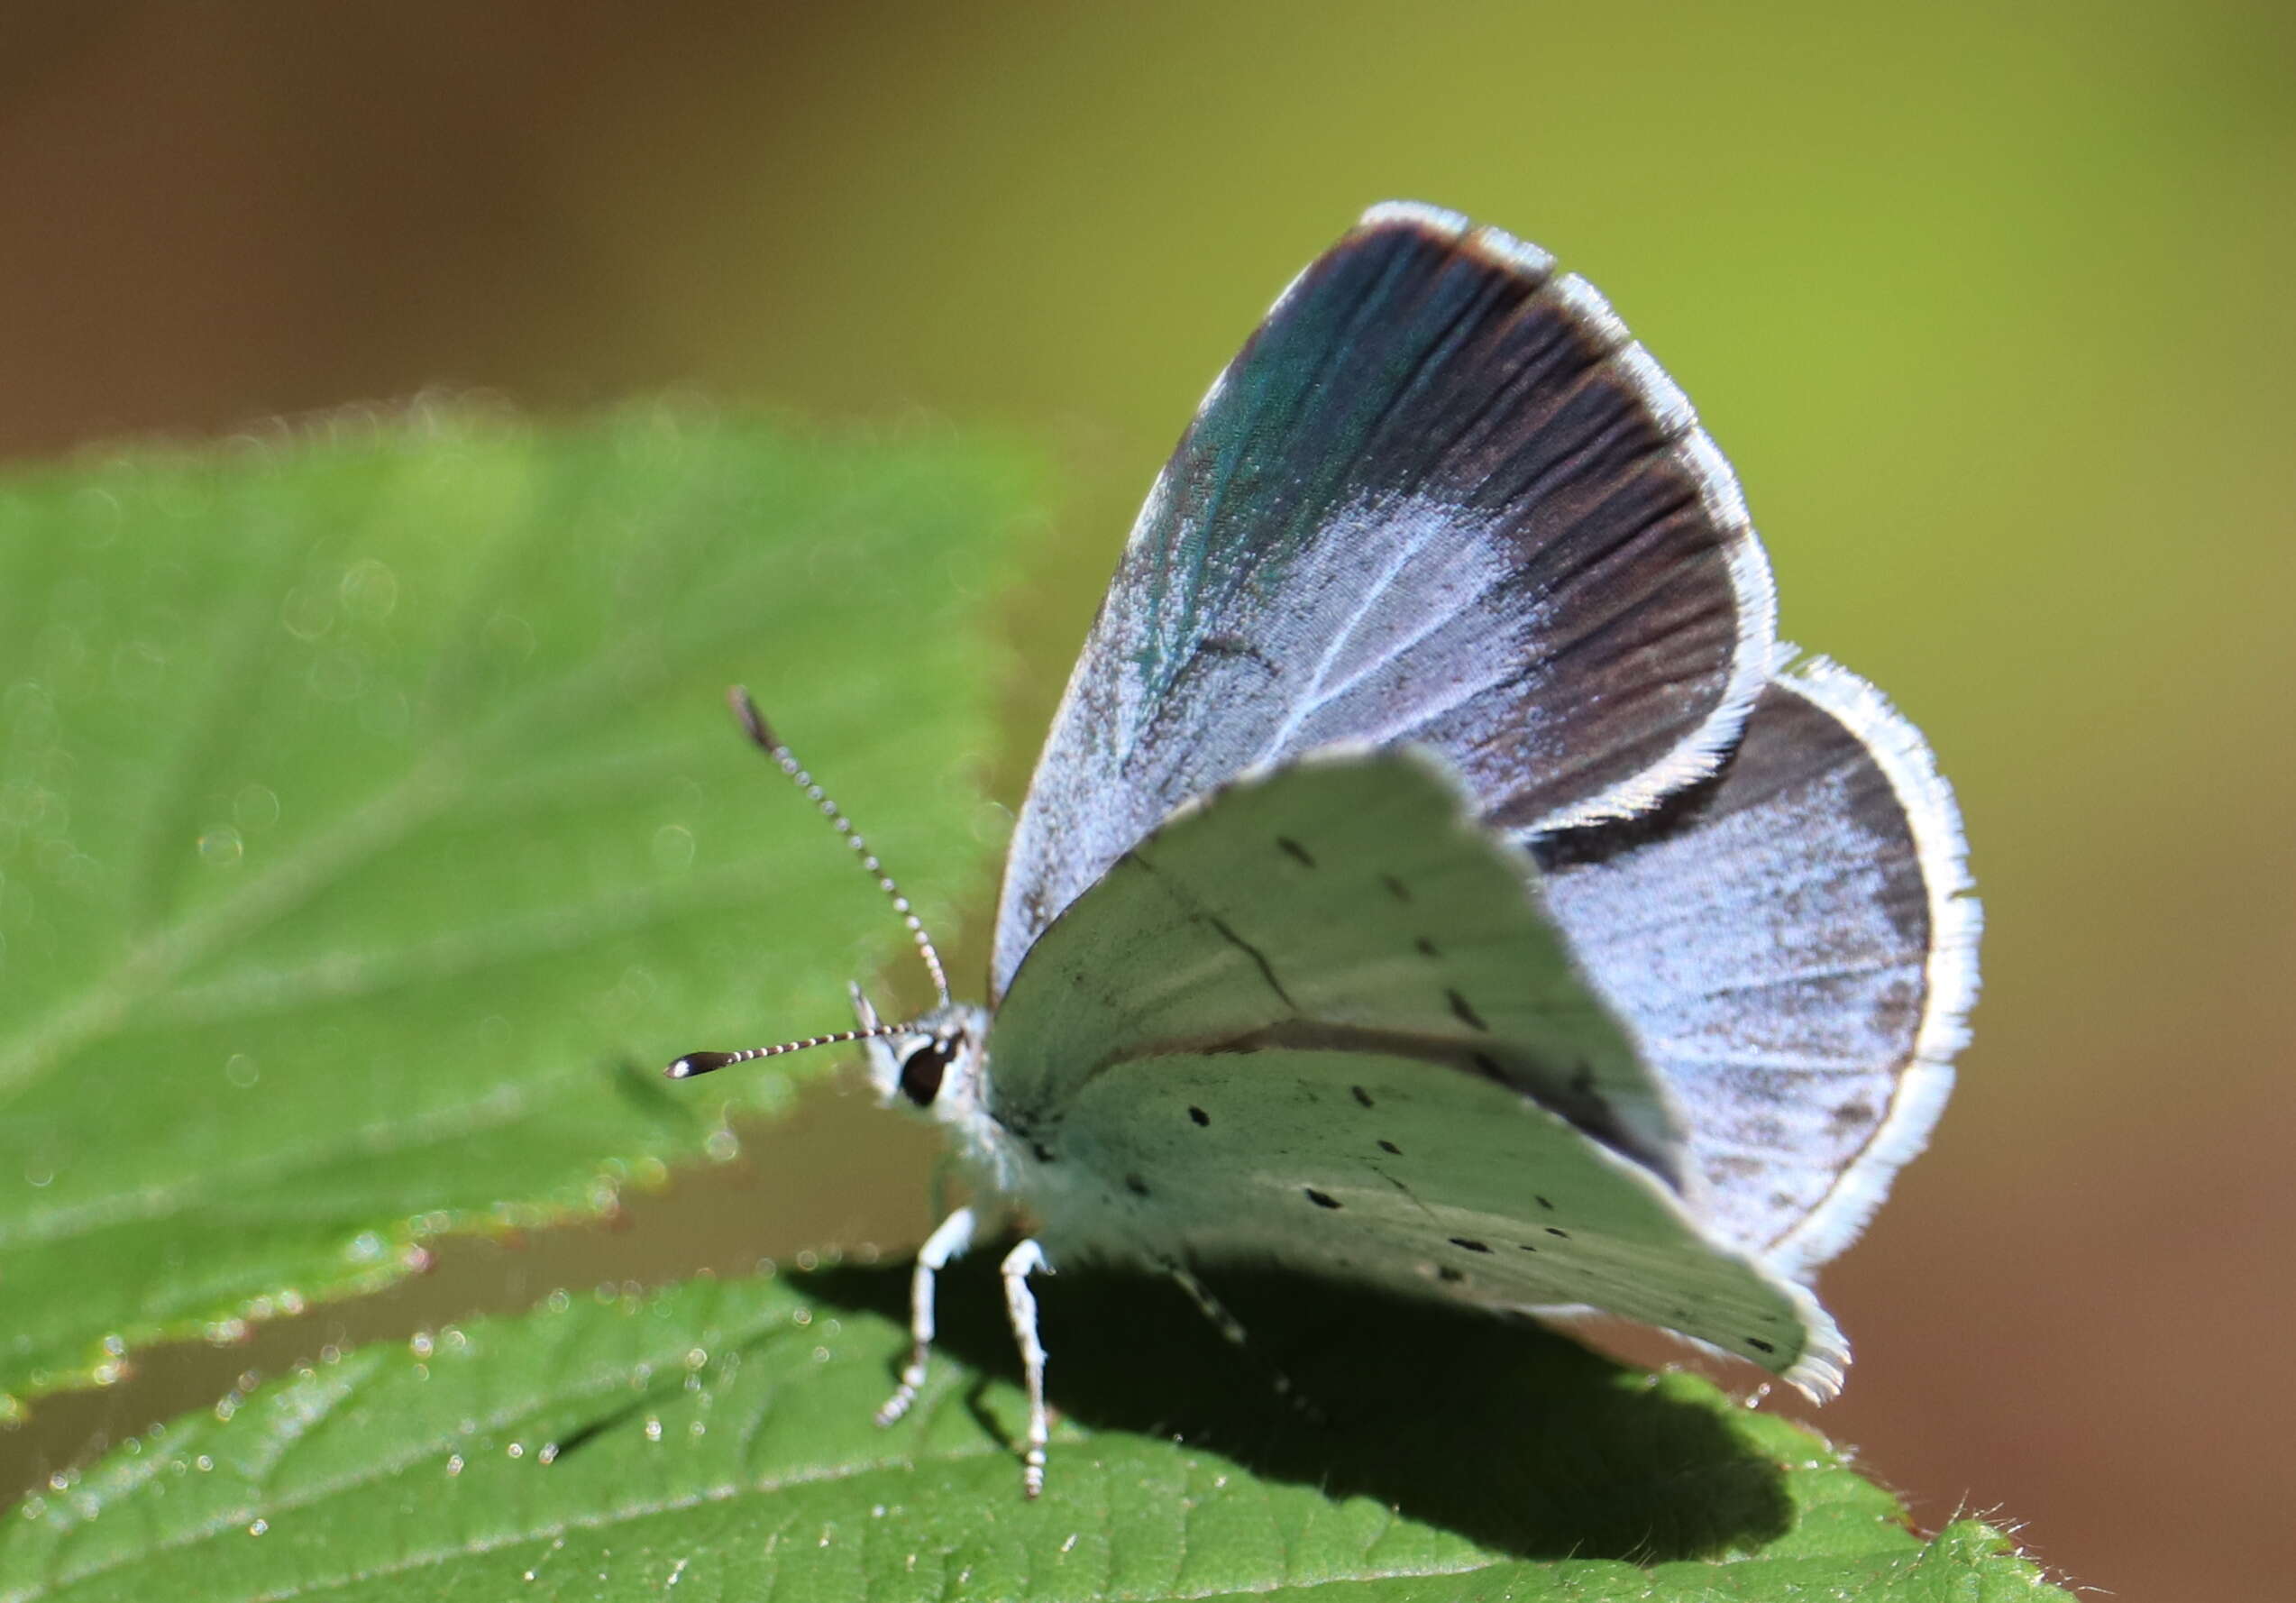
1988,306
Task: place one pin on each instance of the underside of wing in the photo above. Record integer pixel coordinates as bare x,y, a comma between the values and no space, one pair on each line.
1440,496
1375,1169
1346,903
1793,947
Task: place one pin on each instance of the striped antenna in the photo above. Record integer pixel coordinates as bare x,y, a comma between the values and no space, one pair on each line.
753,724
702,1063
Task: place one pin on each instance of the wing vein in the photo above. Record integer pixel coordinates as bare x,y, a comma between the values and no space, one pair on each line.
1315,697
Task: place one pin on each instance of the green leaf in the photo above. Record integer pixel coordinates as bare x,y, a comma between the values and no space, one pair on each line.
715,1439
372,829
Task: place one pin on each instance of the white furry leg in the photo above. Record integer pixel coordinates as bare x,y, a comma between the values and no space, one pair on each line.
951,1237
1023,1260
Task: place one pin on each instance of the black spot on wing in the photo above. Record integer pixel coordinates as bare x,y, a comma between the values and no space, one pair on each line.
1758,1345
1391,1149
1136,1185
1199,1115
1319,1199
1445,1272
1543,1202
1362,1096
1466,1013
1552,1231
1426,948
1471,1246
1295,851
1395,887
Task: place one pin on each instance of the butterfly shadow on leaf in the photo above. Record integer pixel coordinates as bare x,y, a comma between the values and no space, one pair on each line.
1497,1429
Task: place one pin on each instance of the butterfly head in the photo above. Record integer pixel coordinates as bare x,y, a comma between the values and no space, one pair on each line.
933,1065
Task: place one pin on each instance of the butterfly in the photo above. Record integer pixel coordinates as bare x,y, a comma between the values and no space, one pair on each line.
1438,875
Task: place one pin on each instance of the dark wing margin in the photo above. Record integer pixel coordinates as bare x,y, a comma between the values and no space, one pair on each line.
1443,496
1793,946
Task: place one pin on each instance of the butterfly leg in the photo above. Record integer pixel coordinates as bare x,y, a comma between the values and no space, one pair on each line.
1232,1328
951,1237
1209,1306
1022,1261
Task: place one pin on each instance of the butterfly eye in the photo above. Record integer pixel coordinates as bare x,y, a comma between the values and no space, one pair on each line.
921,1071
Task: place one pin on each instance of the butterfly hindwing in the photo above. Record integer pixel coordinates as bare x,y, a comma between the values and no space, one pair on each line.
1793,948
1439,497
1370,1167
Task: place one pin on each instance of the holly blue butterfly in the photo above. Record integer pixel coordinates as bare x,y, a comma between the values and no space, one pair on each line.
1438,874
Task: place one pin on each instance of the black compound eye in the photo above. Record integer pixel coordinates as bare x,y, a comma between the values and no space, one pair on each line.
921,1070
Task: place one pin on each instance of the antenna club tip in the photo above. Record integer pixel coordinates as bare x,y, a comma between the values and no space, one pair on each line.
698,1063
753,721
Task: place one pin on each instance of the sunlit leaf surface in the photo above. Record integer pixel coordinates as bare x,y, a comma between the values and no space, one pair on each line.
371,828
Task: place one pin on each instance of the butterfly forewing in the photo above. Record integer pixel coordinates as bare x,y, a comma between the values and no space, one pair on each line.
1792,946
1439,497
1346,905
